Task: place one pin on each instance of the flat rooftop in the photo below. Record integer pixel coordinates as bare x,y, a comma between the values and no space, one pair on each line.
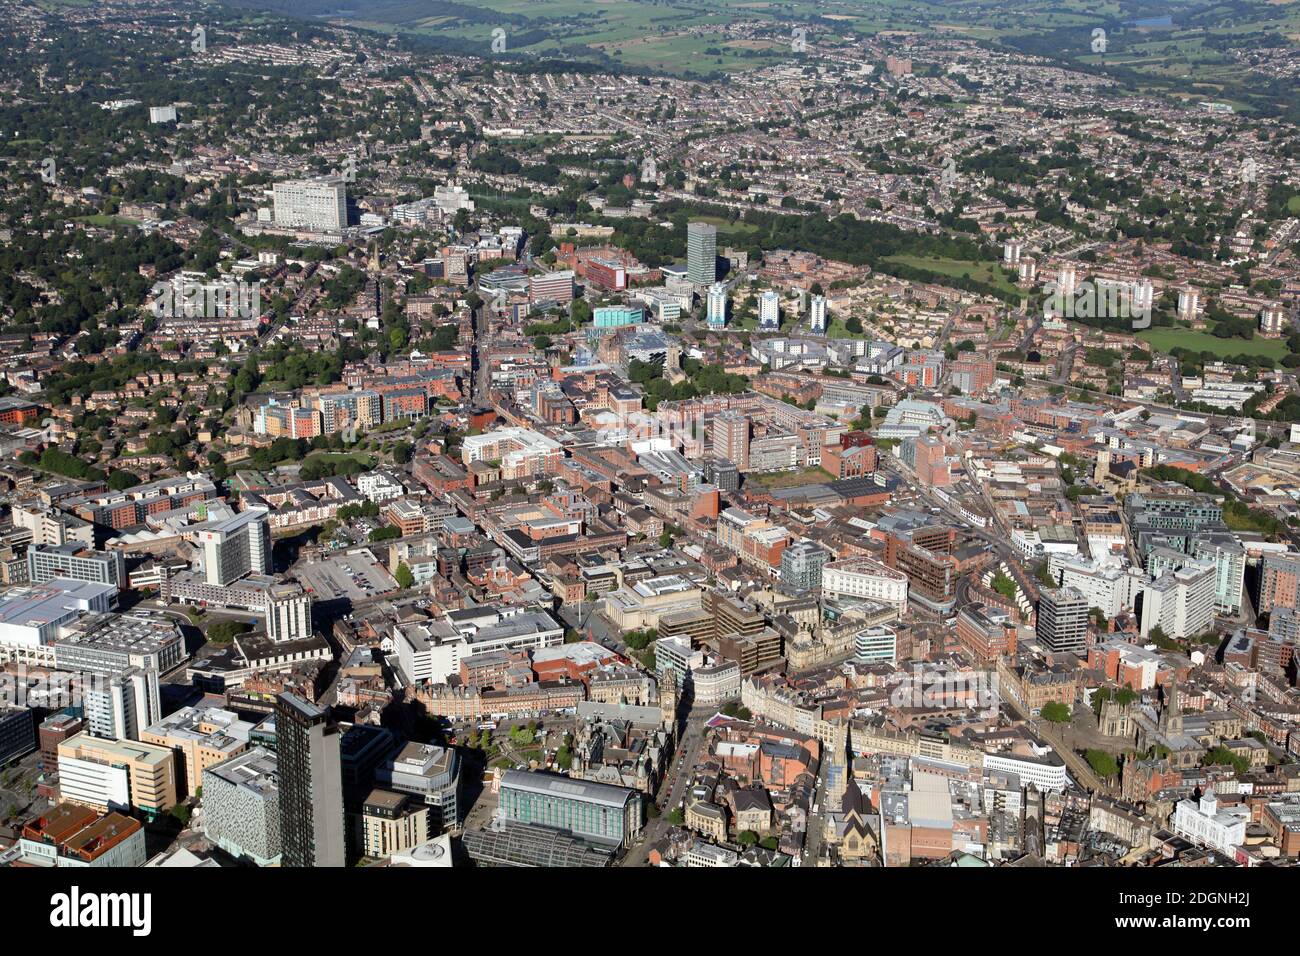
355,575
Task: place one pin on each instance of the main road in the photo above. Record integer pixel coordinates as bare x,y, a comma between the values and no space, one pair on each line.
678,779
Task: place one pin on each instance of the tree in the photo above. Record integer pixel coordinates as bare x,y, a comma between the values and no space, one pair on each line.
223,632
747,838
676,817
403,576
1102,763
1056,712
1222,756
736,709
121,480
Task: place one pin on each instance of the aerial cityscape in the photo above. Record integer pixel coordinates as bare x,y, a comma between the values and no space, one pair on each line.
648,434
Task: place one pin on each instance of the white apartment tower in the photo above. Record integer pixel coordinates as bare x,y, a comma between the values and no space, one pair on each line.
717,306
817,314
769,311
318,205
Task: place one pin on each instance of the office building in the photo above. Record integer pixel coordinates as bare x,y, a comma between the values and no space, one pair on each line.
801,565
70,835
1062,619
122,704
201,737
32,617
117,774
722,473
17,732
75,562
288,613
676,660
51,526
986,633
430,773
390,823
431,651
729,437
311,784
315,205
126,654
1108,588
519,452
701,253
1180,602
593,811
556,287
235,547
53,731
113,643
241,806
863,579
1205,824
875,645
617,316
1041,767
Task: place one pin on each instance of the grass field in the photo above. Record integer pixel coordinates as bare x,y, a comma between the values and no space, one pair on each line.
1165,339
361,458
835,330
726,228
986,272
107,221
